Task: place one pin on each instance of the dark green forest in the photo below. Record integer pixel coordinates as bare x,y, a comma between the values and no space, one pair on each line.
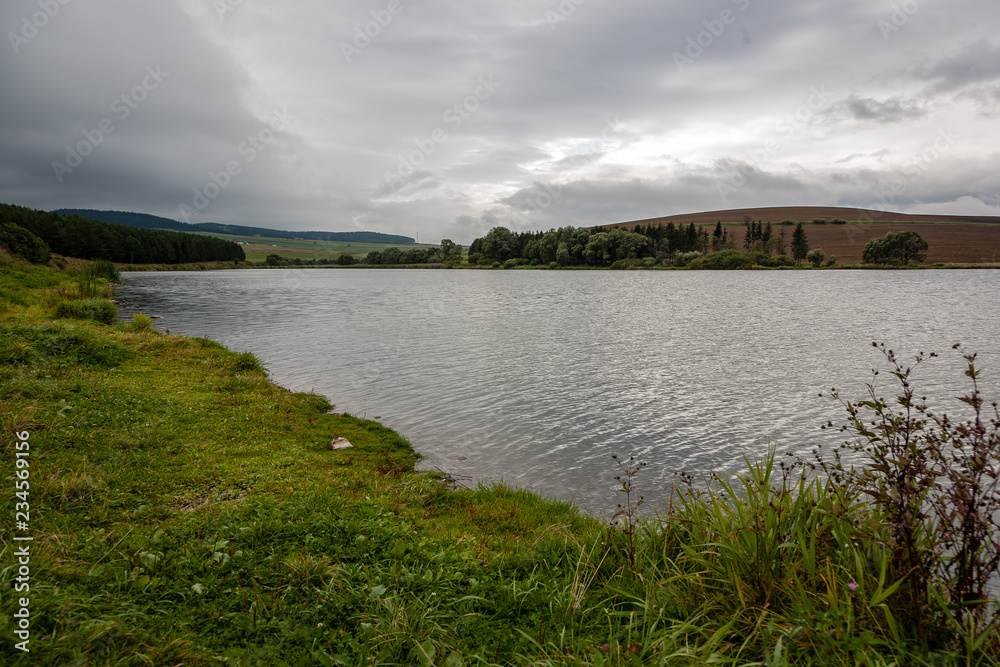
146,221
74,236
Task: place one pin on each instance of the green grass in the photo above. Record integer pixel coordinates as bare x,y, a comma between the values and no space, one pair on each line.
261,247
186,510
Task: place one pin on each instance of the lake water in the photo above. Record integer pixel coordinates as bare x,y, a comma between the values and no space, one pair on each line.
538,377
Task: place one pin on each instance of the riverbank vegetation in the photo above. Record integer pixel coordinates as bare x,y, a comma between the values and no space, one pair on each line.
186,510
645,247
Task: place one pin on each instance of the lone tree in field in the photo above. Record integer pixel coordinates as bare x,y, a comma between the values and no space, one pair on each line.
800,244
895,247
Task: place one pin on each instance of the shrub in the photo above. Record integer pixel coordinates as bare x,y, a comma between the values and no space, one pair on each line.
935,480
895,247
685,258
106,270
510,264
623,264
832,260
21,242
139,323
553,266
247,362
816,257
101,310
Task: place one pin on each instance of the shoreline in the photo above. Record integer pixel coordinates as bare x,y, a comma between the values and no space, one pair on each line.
189,510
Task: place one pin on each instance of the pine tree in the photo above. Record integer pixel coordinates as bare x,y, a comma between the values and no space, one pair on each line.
800,244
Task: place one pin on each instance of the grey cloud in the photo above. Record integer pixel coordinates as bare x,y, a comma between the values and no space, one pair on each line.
681,131
893,110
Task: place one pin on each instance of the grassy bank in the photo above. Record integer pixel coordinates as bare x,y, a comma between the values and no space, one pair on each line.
186,510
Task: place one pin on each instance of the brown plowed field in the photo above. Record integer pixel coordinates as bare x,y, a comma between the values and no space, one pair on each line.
955,239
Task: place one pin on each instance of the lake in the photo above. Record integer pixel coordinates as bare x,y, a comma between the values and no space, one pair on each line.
538,377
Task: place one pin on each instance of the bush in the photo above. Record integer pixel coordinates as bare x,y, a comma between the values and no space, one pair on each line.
106,270
895,248
247,362
623,264
21,242
832,260
685,258
553,266
139,323
935,481
101,310
510,264
816,257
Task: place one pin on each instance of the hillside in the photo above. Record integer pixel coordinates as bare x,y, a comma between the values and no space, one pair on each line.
146,221
804,214
951,238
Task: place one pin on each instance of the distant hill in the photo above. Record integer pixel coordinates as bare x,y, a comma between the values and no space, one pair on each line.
86,238
803,214
146,221
961,239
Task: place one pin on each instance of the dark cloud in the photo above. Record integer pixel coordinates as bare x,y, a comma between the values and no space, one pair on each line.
888,111
628,109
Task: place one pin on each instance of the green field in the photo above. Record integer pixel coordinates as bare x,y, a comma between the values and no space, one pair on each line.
261,247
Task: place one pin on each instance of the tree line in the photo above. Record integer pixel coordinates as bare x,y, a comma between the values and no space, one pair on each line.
73,236
650,244
447,253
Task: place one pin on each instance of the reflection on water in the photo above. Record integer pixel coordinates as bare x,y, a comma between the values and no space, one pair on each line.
538,377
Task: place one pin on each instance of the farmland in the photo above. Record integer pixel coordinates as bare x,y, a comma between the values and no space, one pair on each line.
261,247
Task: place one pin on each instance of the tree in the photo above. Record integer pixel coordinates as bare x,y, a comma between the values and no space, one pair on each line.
499,245
816,256
895,247
450,251
800,244
22,242
910,245
273,260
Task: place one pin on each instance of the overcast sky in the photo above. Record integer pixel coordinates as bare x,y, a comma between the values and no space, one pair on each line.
444,118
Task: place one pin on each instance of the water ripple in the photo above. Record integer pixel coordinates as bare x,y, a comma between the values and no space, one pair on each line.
538,377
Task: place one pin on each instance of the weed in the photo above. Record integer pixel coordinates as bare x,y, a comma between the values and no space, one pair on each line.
138,324
936,480
100,310
247,362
